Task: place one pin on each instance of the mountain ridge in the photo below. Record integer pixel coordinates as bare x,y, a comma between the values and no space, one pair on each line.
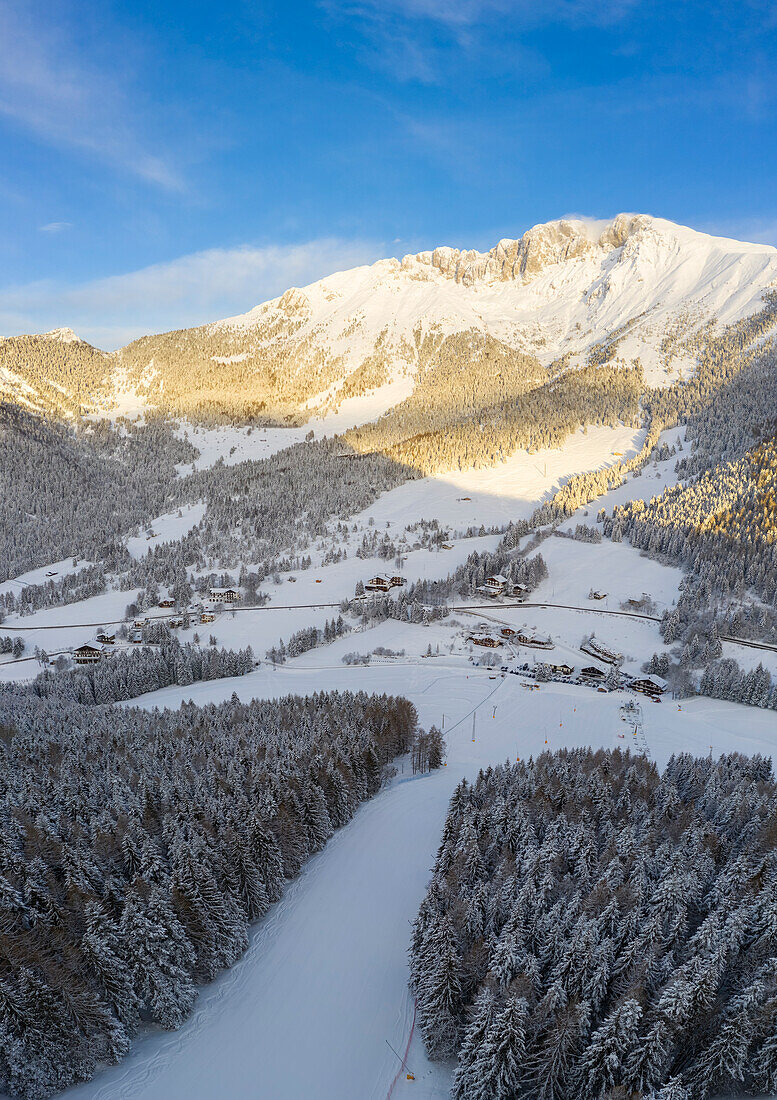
557,294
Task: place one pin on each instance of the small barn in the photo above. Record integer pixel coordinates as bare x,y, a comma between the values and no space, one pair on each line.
536,641
486,640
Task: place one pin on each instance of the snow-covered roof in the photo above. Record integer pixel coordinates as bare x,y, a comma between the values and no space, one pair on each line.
653,679
498,579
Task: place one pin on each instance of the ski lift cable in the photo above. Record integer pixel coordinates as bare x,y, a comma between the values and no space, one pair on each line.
476,707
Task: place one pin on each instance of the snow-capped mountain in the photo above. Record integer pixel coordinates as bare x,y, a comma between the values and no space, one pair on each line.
554,294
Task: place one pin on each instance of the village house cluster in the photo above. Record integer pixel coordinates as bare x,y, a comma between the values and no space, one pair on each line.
652,686
92,652
499,585
492,637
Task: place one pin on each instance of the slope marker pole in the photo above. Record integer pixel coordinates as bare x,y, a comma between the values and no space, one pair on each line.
401,1059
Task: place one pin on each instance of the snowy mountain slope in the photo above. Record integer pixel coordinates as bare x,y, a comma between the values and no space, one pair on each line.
347,347
565,284
554,294
559,290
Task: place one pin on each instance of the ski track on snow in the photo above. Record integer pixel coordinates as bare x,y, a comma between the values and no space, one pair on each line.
308,1009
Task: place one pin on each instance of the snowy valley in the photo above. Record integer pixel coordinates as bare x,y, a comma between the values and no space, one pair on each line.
524,498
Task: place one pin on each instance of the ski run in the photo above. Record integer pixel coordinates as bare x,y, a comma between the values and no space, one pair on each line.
310,1009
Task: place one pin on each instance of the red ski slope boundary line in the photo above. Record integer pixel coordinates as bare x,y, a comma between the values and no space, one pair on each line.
407,1051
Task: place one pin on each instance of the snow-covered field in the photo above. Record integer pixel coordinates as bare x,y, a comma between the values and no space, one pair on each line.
56,571
509,491
166,528
309,1009
235,444
613,568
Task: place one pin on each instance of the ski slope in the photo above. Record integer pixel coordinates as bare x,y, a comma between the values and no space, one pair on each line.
308,1010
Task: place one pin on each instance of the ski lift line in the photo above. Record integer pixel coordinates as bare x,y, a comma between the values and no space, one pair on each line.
475,708
632,712
407,1051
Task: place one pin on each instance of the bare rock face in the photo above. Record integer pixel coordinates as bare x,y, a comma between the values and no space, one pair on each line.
622,228
551,244
540,246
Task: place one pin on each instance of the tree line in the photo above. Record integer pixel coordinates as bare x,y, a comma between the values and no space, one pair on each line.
125,674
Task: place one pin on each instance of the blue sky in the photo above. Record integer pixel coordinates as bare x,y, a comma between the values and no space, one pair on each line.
166,164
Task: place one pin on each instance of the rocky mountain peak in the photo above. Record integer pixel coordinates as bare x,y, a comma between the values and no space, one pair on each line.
521,259
64,335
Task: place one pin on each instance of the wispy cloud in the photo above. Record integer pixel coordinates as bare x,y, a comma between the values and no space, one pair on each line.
54,227
413,39
467,13
51,90
189,290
